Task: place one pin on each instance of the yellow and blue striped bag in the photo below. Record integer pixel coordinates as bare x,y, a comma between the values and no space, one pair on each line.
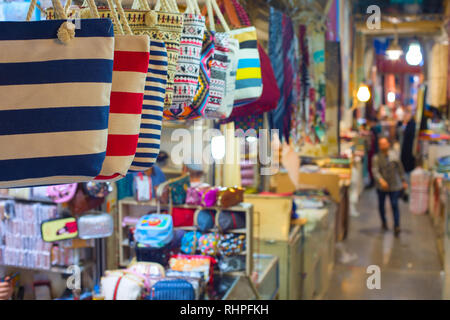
55,86
248,76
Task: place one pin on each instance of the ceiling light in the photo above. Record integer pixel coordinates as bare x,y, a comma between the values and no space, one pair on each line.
414,55
363,94
391,97
394,51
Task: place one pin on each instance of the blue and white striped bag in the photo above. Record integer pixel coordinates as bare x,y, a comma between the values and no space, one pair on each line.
54,102
152,109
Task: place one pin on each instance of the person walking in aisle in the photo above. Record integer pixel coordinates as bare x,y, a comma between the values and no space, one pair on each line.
407,143
390,180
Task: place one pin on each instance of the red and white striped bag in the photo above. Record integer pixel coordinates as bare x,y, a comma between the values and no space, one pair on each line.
131,61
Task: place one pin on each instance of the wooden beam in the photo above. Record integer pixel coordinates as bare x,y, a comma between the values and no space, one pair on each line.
388,28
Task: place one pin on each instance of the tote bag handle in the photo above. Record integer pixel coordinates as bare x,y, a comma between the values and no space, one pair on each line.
195,7
61,14
213,7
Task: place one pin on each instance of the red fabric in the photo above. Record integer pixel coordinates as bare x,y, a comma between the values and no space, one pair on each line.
102,178
116,288
121,145
183,217
270,95
131,61
126,102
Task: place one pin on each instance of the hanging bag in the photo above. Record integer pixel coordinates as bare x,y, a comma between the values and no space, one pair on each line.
188,66
169,28
221,96
271,93
197,109
49,132
248,77
149,141
131,61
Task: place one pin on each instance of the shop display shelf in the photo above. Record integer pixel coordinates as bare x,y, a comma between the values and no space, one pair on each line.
126,209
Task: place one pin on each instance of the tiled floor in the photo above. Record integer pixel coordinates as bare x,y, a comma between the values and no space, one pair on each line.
410,265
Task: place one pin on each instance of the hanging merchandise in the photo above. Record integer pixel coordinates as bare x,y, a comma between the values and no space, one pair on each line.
149,141
248,75
41,77
276,58
289,74
197,108
305,80
188,66
249,84
131,59
271,93
221,87
438,75
318,54
169,29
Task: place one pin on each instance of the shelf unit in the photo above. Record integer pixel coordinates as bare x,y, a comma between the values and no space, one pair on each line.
131,207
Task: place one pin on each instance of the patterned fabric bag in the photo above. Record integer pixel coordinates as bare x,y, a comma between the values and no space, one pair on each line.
197,108
149,141
222,76
44,66
165,23
188,66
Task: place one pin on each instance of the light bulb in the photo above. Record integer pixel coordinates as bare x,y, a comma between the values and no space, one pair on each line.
218,147
391,97
414,55
394,54
363,94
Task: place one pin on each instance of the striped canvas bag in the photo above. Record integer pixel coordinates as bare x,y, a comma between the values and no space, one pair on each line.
248,76
152,109
131,60
55,84
164,23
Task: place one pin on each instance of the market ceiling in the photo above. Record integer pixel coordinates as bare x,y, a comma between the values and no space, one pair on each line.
403,17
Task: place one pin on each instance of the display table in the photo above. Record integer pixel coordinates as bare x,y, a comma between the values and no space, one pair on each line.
337,186
291,256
